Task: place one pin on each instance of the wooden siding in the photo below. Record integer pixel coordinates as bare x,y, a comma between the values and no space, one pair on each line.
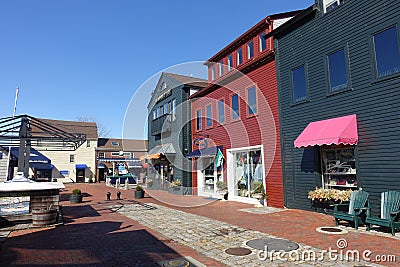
249,130
376,103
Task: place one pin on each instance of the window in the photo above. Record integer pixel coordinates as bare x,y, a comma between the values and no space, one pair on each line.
163,86
87,143
101,155
213,72
221,111
173,109
115,143
299,86
251,101
250,49
239,56
161,110
339,167
128,154
115,154
166,111
209,115
387,57
154,114
330,5
71,158
337,71
235,106
263,42
198,120
221,68
230,62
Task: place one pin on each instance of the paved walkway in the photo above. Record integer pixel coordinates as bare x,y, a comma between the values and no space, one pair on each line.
127,233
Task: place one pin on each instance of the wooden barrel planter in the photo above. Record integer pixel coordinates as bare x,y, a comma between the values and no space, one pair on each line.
42,217
139,194
76,198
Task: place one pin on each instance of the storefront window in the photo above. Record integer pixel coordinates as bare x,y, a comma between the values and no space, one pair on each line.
210,174
338,165
248,172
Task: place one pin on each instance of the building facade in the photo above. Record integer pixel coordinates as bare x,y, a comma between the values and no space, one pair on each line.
169,130
338,69
78,165
237,114
120,156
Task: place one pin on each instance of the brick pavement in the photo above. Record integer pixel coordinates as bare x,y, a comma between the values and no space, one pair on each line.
96,236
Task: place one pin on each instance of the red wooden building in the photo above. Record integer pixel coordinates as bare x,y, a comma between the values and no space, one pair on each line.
237,113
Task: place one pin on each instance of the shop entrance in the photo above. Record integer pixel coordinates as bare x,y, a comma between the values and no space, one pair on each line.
80,175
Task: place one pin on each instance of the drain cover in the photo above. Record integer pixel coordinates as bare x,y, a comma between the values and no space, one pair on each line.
331,230
176,263
272,244
238,251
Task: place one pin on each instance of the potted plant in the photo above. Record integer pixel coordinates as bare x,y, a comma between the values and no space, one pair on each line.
222,188
76,196
91,178
139,192
259,193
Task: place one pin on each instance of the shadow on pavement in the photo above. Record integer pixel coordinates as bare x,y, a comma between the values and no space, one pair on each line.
92,244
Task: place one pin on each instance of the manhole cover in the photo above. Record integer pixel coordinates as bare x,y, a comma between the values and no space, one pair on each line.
272,244
238,251
177,263
331,230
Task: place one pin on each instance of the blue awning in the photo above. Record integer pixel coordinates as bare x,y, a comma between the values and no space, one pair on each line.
80,166
205,152
36,159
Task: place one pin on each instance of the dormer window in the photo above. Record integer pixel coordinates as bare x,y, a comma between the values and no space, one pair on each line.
115,143
329,5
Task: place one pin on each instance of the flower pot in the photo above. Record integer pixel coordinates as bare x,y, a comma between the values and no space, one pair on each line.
139,194
76,198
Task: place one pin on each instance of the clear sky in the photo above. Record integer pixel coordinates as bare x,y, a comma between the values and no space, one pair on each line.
74,58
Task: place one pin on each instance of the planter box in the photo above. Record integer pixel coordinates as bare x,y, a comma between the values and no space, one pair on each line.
139,194
76,198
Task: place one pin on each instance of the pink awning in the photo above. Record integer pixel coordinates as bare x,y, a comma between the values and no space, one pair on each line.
342,130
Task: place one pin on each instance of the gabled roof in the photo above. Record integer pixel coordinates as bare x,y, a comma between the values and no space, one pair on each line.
87,128
188,80
129,145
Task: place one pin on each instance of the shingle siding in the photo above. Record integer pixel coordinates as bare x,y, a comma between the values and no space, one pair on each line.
376,103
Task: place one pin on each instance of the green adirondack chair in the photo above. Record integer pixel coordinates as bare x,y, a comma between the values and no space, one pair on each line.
355,213
390,210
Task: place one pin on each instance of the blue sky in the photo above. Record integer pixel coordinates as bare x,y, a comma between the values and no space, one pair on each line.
73,58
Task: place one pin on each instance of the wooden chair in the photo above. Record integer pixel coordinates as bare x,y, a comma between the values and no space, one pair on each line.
355,213
390,210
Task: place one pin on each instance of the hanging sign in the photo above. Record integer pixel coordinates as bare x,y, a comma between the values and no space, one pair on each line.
200,142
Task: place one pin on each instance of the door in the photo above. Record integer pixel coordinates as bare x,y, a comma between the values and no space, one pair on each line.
80,176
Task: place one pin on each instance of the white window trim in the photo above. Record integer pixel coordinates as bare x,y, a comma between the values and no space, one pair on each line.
230,172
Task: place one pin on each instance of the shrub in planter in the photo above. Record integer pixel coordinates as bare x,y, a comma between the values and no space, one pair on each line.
91,178
139,192
76,196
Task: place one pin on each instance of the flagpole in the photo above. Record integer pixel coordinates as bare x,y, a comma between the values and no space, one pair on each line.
13,116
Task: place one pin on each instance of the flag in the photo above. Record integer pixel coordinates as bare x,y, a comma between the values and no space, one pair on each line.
219,158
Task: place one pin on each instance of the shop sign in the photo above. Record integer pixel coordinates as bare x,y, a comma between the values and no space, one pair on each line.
14,205
200,142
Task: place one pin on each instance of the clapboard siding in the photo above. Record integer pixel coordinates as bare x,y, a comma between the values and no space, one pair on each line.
376,103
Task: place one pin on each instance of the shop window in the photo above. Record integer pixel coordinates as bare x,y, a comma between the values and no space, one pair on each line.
299,86
71,158
235,106
263,41
221,111
198,120
337,71
386,48
239,56
209,116
250,49
339,168
248,173
251,101
101,155
230,62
